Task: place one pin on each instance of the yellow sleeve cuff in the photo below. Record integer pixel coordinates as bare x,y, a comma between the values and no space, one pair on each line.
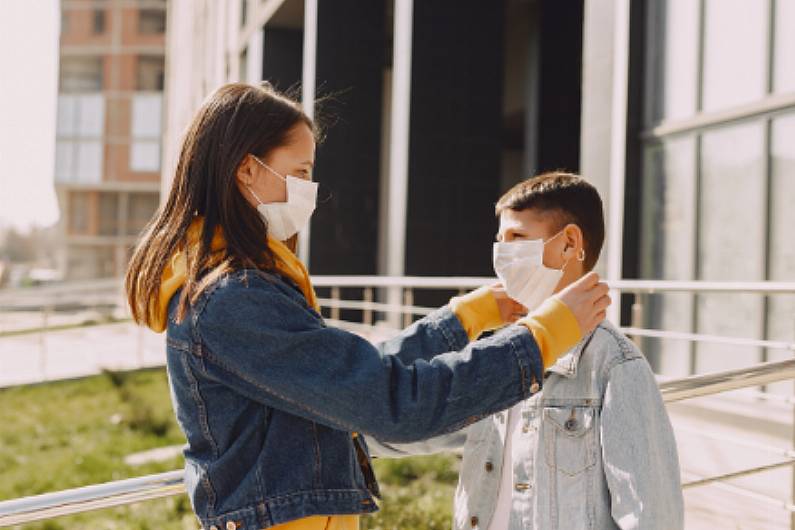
477,311
554,328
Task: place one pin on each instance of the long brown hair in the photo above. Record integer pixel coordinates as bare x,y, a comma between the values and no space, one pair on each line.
237,119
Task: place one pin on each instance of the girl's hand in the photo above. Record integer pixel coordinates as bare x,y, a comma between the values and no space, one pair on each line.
587,298
510,309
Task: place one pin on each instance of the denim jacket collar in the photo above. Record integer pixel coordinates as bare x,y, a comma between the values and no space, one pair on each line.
566,365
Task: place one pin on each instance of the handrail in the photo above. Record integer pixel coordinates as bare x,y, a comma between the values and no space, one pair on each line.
715,383
88,498
443,282
35,508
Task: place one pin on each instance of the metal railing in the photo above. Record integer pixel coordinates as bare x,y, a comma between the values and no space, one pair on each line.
122,492
399,294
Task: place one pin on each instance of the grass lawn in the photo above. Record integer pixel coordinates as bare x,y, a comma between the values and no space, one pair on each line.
75,433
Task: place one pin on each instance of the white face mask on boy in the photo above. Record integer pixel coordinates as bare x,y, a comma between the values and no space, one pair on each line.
285,219
520,267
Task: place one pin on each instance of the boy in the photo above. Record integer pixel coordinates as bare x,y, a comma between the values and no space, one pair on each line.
595,448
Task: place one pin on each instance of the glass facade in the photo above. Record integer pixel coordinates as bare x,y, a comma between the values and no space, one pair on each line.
718,175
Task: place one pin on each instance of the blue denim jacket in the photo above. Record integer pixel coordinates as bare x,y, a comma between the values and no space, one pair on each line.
596,449
268,398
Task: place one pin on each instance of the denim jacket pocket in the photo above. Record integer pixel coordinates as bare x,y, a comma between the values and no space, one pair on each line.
570,444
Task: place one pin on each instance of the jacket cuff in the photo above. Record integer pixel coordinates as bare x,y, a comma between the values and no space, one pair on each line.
454,333
477,311
554,328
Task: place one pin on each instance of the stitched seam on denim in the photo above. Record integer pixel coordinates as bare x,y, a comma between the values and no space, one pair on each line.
347,492
444,318
194,387
523,382
178,345
447,333
318,475
212,357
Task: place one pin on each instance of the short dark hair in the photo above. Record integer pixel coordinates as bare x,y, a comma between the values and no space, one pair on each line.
567,198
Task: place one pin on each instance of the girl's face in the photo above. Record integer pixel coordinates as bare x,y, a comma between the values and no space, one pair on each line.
296,158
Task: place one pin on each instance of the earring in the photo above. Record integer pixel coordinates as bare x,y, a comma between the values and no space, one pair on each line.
581,255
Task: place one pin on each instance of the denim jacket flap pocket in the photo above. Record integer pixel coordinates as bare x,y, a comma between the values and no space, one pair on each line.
570,440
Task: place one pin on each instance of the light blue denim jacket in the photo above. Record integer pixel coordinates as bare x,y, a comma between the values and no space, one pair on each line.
268,397
600,450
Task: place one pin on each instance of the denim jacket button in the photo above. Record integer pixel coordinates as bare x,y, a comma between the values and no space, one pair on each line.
230,525
213,527
474,521
489,467
534,388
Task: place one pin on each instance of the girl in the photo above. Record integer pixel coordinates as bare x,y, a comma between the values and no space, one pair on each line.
270,399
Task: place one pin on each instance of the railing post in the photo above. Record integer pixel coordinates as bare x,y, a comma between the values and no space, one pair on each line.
139,346
45,322
368,312
637,317
792,468
408,300
335,297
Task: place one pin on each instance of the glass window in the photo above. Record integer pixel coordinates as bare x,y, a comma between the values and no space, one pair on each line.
244,65
81,74
146,115
67,115
99,21
781,315
108,214
731,240
735,52
784,47
674,31
142,208
64,160
90,115
151,72
145,155
151,21
89,162
668,229
79,212
79,153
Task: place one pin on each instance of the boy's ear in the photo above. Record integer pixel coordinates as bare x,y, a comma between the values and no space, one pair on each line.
574,240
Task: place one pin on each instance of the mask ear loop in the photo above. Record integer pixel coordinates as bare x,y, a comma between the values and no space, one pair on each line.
266,166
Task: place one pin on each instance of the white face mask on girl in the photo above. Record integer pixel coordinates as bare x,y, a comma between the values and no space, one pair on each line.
285,219
520,267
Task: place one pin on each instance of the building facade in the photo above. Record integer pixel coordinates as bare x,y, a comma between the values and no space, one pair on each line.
680,111
109,131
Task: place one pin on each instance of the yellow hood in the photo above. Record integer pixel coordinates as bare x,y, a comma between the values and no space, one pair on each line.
287,265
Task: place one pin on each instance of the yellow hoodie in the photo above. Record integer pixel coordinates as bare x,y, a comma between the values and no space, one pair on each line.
553,326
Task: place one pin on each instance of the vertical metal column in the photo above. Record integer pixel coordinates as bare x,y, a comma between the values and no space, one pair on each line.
308,95
399,152
618,149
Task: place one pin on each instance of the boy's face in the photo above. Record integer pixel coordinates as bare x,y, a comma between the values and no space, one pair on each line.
559,252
